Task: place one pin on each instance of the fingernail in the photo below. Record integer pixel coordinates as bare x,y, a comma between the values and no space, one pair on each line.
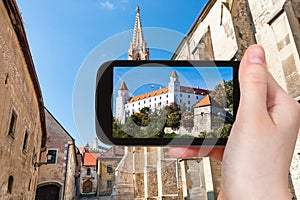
256,55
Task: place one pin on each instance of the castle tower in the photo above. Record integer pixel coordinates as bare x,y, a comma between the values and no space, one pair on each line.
174,84
138,49
121,100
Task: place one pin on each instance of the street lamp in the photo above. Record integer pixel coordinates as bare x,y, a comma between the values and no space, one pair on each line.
49,158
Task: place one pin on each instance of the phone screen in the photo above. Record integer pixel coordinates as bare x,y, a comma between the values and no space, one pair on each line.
172,101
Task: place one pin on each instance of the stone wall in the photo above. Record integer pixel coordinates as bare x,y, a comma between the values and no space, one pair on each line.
233,26
18,95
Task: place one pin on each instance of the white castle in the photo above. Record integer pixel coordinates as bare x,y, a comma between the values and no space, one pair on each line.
157,99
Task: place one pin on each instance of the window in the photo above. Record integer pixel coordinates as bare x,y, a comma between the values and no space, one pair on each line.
109,169
12,124
29,184
189,96
149,100
197,97
159,97
88,171
154,99
167,96
10,184
25,141
189,102
53,156
180,95
108,184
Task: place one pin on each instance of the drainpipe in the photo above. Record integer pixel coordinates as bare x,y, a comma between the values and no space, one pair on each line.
66,169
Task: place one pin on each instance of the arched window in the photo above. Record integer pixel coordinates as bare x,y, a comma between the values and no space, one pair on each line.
10,184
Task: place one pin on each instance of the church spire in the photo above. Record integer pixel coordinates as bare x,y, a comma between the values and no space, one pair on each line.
138,49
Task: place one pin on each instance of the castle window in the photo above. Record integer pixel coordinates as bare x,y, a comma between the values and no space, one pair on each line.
12,125
88,171
197,97
10,184
167,101
133,105
189,102
159,97
189,109
25,141
154,99
144,101
108,184
180,95
139,103
189,96
149,100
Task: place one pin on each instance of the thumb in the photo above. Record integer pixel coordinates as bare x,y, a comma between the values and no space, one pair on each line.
253,81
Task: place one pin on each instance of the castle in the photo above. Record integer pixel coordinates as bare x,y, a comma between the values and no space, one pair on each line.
157,99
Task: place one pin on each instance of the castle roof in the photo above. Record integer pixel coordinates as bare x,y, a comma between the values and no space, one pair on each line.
204,102
149,94
123,86
194,90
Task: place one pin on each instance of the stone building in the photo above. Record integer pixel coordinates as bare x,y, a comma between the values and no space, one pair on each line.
106,165
223,31
88,172
57,177
22,122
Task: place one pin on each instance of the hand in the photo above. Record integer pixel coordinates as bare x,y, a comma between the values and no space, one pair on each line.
258,154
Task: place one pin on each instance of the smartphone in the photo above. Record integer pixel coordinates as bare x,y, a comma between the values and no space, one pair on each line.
159,103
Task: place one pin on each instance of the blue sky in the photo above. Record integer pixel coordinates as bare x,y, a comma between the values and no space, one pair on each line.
63,35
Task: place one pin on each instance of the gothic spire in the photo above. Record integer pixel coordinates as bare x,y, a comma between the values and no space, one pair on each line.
138,49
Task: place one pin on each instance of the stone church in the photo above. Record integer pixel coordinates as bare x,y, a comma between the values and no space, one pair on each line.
225,28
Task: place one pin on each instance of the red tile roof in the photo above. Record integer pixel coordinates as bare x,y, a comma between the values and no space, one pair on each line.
204,102
148,94
90,159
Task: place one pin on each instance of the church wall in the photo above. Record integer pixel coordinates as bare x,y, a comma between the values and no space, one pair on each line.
272,24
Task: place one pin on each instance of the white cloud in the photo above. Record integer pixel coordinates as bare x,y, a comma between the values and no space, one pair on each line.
107,4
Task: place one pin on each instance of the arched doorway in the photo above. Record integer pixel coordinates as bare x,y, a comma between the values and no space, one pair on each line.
87,186
48,192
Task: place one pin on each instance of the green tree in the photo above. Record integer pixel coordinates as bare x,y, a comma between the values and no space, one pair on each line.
117,131
223,94
182,107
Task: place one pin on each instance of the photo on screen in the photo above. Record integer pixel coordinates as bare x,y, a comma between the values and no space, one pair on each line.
172,102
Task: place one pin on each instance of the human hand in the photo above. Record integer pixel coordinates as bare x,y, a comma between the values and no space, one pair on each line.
259,150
